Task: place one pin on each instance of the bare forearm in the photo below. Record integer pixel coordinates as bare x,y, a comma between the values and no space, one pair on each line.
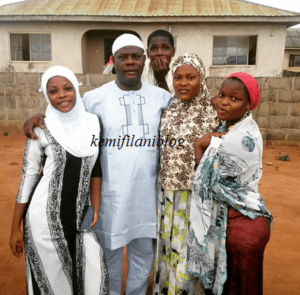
95,189
198,154
160,69
18,215
163,85
202,144
16,241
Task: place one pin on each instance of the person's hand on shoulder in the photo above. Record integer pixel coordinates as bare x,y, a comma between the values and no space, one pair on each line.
36,120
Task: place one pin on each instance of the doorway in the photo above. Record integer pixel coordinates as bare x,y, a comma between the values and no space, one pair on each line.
96,48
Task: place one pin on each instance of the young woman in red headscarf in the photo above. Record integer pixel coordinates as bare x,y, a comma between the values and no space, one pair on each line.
230,226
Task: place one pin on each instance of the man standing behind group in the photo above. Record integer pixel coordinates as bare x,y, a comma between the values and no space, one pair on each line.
160,51
127,214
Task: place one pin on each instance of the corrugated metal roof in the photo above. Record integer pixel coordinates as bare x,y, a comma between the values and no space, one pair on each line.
145,8
292,39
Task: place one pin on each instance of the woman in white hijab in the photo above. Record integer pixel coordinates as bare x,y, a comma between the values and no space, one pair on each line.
60,257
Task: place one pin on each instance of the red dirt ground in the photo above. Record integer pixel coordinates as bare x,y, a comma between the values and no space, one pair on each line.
279,187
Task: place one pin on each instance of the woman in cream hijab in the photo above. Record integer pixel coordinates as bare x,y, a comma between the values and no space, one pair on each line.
188,119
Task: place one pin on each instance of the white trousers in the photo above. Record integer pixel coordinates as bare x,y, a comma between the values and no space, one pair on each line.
140,254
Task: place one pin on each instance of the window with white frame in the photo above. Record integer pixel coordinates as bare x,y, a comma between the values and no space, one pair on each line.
294,61
235,50
30,47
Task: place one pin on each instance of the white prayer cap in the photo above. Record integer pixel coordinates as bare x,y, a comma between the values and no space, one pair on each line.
126,40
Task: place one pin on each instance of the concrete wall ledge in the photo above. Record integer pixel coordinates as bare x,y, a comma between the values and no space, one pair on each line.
278,114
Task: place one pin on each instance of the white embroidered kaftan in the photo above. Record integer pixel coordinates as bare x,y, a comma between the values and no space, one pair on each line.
128,195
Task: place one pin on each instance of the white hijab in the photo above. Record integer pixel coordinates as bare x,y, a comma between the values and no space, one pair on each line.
73,130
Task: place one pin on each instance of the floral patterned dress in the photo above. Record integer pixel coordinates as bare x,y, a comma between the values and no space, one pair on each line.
184,123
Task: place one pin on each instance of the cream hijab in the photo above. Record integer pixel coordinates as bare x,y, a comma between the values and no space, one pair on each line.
73,130
186,121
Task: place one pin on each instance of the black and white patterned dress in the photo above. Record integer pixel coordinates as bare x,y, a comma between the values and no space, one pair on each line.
59,258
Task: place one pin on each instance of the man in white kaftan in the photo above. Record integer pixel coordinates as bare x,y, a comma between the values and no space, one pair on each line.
130,113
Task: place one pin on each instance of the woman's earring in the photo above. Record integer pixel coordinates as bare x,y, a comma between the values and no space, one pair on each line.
246,114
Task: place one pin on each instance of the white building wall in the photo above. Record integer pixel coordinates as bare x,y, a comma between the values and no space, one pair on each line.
193,37
287,59
198,38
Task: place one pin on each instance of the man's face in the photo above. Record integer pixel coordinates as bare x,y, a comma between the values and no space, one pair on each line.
129,63
160,48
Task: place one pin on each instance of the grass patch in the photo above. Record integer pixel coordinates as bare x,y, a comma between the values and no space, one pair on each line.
285,157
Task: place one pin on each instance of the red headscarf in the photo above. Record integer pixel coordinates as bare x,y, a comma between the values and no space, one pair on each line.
251,85
110,61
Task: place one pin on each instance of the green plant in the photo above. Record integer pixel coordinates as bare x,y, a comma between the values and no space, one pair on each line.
285,157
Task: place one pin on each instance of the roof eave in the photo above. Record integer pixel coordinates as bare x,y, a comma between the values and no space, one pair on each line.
288,20
292,48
